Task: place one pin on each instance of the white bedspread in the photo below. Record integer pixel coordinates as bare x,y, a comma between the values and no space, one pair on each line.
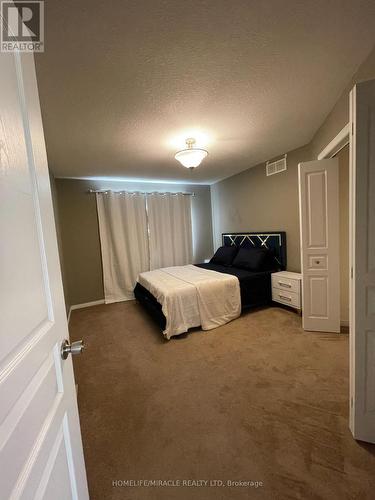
191,296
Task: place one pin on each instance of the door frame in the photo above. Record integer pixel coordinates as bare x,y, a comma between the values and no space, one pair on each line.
336,145
341,140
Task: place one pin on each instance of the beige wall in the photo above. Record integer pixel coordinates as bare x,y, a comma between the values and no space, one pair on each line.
335,121
80,235
246,201
339,116
59,240
251,201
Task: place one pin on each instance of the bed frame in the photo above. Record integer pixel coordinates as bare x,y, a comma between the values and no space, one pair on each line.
275,241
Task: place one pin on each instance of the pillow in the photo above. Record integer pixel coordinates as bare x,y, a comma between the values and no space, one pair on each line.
252,259
224,255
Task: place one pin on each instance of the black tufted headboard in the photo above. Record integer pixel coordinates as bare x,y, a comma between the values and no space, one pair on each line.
275,241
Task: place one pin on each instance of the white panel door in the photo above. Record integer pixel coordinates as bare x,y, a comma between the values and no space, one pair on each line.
362,261
319,228
40,441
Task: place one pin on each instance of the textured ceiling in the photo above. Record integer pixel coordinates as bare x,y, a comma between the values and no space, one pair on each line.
121,81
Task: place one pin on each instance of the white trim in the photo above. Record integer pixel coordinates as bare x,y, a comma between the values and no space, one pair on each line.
85,304
336,145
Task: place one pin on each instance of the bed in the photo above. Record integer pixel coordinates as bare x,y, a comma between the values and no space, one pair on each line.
254,285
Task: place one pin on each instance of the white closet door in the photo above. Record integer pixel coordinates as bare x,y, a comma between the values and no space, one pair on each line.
319,228
362,261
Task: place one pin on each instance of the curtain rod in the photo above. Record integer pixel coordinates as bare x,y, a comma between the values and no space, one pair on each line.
104,191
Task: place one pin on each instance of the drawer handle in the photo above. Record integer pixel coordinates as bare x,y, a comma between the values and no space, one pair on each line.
285,298
281,283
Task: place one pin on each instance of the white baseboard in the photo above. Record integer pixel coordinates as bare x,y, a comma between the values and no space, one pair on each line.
85,304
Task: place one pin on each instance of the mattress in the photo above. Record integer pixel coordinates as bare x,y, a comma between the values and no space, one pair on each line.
255,290
255,286
193,296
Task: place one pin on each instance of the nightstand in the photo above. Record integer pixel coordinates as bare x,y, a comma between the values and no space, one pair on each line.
286,288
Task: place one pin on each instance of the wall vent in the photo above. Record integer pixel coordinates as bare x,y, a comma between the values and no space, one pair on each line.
275,167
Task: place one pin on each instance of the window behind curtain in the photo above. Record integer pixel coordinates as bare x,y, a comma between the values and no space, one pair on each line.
170,230
124,242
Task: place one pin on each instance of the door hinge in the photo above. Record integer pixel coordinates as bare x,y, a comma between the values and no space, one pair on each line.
352,128
351,273
351,402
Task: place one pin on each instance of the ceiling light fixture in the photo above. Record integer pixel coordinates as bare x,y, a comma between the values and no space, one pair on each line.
191,157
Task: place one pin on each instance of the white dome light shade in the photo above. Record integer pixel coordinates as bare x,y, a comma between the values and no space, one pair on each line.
191,157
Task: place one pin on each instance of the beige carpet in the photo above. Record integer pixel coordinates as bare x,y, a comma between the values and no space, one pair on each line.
255,400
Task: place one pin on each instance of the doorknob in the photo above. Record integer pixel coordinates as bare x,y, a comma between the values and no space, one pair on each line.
73,348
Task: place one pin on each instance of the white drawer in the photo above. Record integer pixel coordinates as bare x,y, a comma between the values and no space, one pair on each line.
285,297
283,283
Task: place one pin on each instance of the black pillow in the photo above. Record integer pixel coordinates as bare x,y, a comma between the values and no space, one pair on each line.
253,259
224,255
